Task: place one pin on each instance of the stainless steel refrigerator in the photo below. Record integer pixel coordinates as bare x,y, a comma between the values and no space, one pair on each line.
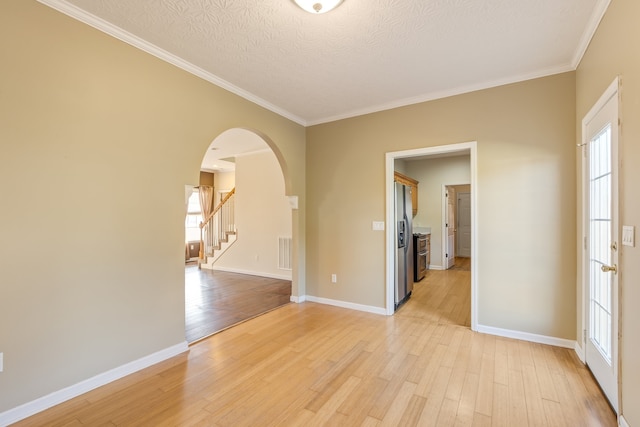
404,244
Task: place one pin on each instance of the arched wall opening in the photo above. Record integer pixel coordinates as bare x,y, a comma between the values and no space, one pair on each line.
261,242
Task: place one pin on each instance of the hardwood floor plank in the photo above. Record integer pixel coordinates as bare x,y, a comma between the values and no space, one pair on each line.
358,405
435,398
481,420
399,405
447,413
517,399
533,397
484,400
384,401
554,413
412,413
500,411
331,406
467,402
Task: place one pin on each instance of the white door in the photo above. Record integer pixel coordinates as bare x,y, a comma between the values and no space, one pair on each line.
600,133
450,236
464,224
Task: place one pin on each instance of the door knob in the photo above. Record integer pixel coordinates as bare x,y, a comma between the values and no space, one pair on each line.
606,268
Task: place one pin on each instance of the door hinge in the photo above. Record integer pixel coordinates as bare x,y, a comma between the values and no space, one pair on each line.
584,335
585,243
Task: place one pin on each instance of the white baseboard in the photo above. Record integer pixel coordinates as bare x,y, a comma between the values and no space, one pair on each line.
525,336
580,352
622,422
298,300
435,267
345,304
31,408
253,273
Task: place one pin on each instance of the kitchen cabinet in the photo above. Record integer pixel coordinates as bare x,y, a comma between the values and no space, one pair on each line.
403,179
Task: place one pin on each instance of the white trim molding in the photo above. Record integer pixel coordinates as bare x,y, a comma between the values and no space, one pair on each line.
594,21
346,304
252,273
526,336
31,408
580,352
622,422
297,299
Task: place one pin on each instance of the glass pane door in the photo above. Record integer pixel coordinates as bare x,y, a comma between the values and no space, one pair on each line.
600,222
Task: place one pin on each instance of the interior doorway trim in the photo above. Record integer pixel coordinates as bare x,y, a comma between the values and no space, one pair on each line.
390,157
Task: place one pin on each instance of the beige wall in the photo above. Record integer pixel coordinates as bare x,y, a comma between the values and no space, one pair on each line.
526,205
614,51
262,215
432,175
75,103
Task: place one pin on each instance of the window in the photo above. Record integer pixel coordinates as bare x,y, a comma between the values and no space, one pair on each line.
193,219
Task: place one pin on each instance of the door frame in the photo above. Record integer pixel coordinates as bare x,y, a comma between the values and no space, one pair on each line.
612,90
390,157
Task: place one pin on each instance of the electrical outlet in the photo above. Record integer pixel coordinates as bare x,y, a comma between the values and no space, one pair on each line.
377,226
334,278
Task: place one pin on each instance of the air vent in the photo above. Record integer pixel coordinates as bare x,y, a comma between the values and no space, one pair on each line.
285,247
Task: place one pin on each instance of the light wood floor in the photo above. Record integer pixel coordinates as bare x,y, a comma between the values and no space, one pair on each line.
441,297
310,364
216,300
462,263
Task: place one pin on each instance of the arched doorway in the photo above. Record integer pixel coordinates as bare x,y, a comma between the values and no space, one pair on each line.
248,271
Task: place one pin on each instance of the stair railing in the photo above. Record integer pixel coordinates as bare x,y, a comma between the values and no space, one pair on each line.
217,226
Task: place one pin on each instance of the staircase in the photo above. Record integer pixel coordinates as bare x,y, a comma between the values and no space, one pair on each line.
217,232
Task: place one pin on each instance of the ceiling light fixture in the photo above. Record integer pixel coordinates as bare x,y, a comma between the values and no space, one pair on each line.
318,6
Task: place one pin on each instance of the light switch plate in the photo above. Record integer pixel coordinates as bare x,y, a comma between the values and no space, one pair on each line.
628,235
377,225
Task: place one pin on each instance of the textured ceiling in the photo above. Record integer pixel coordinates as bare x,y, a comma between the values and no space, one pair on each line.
364,56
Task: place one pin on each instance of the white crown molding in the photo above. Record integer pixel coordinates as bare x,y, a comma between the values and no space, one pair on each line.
31,408
526,336
598,13
432,96
100,24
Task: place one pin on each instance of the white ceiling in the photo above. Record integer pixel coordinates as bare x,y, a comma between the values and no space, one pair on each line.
364,56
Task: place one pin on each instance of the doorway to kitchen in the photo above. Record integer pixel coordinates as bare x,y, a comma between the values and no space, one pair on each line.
463,149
